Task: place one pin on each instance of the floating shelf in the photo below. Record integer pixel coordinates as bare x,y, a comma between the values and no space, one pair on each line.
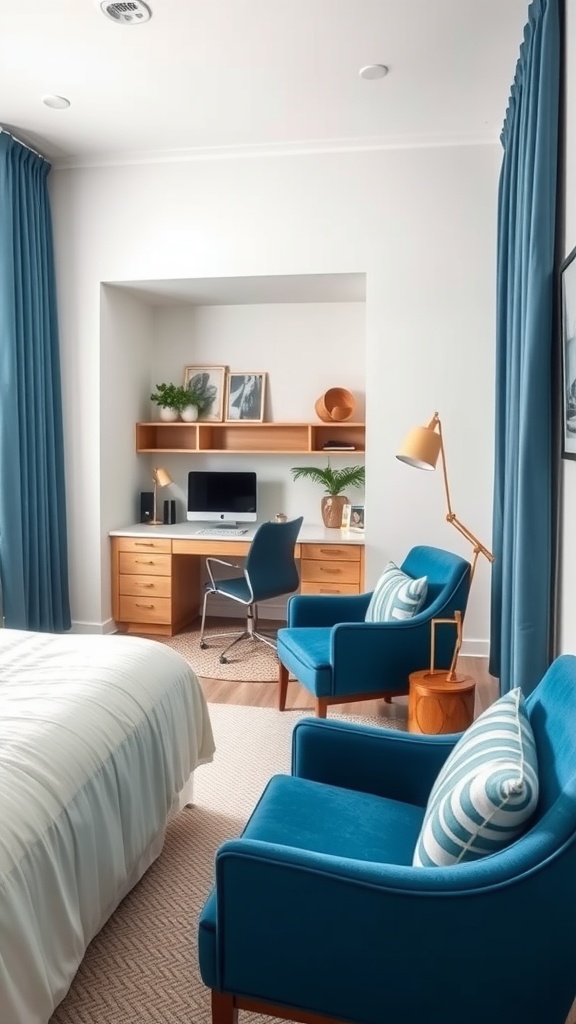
249,438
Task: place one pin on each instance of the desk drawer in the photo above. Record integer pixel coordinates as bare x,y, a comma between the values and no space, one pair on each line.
142,586
328,588
312,571
156,544
145,609
332,552
146,563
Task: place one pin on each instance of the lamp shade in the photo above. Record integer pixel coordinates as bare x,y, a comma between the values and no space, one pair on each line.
421,448
162,477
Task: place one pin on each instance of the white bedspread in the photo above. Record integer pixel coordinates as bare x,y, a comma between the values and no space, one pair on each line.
98,736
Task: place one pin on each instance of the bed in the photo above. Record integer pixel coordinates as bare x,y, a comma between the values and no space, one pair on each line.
99,737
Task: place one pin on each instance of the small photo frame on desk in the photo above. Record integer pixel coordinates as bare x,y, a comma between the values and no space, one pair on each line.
210,381
245,394
357,518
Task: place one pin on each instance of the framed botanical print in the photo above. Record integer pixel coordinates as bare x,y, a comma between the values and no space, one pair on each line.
207,384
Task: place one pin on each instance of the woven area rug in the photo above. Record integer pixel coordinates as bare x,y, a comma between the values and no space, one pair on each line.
142,967
249,661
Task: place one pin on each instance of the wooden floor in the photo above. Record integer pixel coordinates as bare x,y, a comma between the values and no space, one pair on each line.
264,695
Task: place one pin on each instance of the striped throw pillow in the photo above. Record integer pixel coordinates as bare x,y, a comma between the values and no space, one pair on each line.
487,790
396,596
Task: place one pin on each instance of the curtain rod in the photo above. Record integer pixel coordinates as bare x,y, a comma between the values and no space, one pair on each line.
25,144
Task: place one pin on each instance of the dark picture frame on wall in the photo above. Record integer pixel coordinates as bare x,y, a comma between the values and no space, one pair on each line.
568,334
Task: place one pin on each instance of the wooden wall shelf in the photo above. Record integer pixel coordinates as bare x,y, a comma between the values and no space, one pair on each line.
249,438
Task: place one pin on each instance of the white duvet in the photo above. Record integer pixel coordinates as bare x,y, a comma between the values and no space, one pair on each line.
98,736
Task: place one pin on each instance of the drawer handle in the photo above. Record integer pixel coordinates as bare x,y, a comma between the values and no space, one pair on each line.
139,605
327,591
140,562
331,572
329,551
144,543
145,586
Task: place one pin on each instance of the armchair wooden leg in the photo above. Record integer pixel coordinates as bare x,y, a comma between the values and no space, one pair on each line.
321,708
282,686
223,1009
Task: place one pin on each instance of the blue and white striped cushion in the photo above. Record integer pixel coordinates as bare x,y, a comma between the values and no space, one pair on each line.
487,790
396,596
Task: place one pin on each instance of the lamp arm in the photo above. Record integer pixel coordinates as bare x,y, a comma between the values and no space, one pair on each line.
479,548
437,422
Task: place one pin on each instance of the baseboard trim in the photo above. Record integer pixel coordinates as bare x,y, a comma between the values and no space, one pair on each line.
274,610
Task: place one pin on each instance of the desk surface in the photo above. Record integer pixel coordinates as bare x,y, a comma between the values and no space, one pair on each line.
309,533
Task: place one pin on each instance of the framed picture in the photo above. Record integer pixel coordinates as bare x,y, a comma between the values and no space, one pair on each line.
568,321
357,517
245,393
209,382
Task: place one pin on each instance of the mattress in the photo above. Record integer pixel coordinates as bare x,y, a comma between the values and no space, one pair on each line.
98,739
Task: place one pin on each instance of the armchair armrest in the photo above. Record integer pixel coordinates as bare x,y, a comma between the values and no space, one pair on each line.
319,610
399,765
369,656
315,931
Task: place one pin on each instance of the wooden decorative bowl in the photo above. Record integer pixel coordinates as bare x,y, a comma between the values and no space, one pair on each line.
336,404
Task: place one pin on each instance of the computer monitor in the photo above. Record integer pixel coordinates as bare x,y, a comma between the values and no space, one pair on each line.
221,497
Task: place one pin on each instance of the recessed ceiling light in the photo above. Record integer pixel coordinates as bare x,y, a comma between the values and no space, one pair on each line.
373,71
134,12
56,102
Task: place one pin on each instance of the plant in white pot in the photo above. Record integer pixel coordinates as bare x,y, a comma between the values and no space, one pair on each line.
334,482
175,401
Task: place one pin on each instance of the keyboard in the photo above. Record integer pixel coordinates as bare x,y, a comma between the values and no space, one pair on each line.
221,531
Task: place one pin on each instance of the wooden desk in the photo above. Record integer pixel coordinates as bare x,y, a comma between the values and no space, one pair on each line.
157,571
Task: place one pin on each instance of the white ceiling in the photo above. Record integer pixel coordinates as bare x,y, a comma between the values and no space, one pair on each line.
229,75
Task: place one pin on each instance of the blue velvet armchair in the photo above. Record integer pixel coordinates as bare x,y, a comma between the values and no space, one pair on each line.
339,657
318,915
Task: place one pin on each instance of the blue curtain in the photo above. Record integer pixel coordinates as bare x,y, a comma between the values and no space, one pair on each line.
522,580
33,546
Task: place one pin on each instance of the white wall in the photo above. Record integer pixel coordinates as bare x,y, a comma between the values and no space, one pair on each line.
567,611
420,223
304,348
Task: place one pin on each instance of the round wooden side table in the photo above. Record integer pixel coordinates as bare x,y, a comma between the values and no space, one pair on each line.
436,705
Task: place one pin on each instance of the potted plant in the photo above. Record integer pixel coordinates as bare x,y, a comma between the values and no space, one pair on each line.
198,397
172,399
334,482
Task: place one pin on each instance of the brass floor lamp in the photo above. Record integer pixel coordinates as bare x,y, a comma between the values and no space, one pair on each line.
421,449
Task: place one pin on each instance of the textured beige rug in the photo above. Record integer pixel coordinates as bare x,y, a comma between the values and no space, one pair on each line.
142,967
249,660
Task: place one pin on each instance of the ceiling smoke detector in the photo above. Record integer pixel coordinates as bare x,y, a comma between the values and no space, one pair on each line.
134,12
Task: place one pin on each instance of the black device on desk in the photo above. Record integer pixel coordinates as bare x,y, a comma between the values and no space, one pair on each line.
222,497
146,506
169,512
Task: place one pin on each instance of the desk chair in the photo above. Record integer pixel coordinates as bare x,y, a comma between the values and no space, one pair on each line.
269,571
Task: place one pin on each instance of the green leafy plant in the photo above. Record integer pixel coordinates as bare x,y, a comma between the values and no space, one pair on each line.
334,481
175,396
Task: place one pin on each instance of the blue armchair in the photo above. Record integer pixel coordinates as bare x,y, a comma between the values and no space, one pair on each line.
317,910
339,657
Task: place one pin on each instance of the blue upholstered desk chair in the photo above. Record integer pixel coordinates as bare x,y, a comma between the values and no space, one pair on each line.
339,657
269,571
317,907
